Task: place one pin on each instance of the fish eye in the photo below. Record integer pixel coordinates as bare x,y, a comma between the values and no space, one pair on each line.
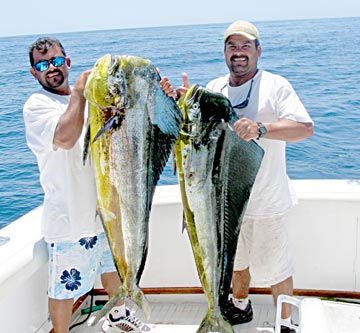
195,107
194,111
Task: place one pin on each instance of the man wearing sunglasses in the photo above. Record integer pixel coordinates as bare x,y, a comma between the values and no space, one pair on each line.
78,250
271,113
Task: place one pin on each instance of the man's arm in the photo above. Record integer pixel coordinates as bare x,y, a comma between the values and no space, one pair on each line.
284,129
71,122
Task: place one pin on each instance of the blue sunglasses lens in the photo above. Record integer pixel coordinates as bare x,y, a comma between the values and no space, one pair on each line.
58,61
43,65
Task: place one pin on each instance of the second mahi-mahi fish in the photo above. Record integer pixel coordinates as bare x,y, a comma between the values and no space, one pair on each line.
216,171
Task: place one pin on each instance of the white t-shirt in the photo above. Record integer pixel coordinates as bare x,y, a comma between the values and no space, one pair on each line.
69,186
272,98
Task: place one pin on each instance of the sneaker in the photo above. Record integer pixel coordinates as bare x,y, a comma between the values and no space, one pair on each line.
285,329
129,323
236,316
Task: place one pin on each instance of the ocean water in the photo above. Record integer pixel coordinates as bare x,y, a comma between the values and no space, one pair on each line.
319,57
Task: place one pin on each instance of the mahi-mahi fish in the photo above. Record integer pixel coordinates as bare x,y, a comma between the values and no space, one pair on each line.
216,171
133,126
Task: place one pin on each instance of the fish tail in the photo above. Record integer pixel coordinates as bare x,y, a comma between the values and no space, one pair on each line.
139,298
118,296
214,322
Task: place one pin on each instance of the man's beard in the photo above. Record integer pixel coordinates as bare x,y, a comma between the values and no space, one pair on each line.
52,87
237,68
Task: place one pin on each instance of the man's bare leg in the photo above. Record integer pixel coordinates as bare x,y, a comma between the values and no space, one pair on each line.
240,283
110,282
60,314
286,288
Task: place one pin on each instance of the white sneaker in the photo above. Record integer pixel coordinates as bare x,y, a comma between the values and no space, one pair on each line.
124,324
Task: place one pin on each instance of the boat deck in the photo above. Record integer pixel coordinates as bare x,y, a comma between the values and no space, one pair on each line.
183,313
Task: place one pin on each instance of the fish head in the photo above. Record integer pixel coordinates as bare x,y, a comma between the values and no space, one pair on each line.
141,79
215,106
203,111
115,82
116,85
106,85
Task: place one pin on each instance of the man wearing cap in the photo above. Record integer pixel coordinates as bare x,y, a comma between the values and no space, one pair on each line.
271,113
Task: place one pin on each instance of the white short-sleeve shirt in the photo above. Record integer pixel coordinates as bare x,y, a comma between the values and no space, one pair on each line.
69,185
272,98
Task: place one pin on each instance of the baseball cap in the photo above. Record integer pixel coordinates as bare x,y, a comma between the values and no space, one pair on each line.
243,28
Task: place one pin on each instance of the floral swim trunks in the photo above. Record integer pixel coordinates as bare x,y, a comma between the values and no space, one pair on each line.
73,266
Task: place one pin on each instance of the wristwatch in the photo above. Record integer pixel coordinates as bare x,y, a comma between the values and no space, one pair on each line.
262,130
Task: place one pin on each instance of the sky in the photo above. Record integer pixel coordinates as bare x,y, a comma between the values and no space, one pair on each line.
24,17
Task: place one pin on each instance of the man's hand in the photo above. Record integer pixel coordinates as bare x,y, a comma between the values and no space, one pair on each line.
167,87
184,88
80,83
246,129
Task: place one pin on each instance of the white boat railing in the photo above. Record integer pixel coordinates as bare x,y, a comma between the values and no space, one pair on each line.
324,232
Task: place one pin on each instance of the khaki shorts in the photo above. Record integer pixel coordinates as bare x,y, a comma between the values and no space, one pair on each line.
263,246
73,266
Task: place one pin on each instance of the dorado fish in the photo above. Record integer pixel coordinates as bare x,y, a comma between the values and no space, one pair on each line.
133,126
216,171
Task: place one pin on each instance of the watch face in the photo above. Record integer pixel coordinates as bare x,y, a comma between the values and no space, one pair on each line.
262,130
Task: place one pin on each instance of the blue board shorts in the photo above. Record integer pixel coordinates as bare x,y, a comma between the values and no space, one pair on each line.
73,266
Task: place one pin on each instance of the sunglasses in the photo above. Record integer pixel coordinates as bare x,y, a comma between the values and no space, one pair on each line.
44,65
244,103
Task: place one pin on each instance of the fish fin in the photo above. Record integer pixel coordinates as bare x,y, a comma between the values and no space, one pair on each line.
239,158
161,147
141,301
111,123
166,121
167,114
174,166
214,322
99,134
183,223
119,295
86,143
137,296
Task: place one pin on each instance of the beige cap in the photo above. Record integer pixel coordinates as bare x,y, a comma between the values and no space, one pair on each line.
242,28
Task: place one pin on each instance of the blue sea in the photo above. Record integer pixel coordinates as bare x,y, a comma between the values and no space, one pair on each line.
320,57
